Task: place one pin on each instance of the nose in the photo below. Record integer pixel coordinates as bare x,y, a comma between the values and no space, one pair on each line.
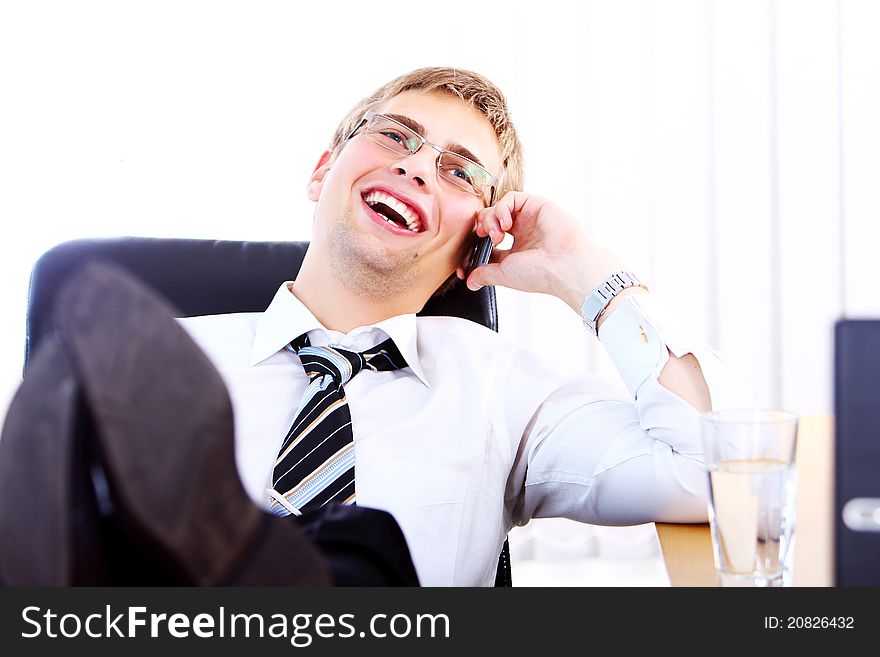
420,167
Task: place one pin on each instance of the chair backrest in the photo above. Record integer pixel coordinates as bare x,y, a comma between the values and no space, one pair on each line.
211,277
207,277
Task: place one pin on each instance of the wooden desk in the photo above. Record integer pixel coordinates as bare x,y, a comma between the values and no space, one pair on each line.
687,549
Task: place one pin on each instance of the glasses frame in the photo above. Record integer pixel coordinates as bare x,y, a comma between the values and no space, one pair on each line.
370,115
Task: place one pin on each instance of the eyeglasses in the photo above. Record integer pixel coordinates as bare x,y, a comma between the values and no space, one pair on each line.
398,138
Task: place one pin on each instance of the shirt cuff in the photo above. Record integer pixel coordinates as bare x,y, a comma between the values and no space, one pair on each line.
637,335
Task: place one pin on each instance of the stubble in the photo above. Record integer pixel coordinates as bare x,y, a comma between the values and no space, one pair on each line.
365,267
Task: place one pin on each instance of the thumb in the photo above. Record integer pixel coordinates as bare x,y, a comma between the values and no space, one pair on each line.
484,275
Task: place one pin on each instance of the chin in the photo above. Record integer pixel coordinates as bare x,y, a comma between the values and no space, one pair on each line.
365,265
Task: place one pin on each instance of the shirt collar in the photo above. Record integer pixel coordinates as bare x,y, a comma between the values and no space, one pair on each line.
287,318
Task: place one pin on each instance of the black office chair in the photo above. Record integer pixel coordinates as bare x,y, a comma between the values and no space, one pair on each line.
210,277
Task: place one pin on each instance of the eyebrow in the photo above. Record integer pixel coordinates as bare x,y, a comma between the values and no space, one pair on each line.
452,146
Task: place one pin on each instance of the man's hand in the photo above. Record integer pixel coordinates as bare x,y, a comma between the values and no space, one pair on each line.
551,252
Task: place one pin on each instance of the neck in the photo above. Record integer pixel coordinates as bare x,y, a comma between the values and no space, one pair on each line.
341,304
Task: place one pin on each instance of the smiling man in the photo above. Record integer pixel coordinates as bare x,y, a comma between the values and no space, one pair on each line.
343,395
386,237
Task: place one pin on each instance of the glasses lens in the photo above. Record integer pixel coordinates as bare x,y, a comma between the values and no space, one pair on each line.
457,169
464,173
392,135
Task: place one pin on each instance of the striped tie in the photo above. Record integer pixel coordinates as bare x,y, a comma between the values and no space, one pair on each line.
316,462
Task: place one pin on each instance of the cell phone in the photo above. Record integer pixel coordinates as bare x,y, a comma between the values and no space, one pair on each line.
483,247
481,253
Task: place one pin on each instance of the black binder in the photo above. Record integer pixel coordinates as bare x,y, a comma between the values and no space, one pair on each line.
857,452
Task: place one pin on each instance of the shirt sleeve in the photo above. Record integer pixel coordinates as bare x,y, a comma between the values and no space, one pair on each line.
587,451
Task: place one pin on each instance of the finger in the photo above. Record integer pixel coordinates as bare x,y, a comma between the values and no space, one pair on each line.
493,232
498,256
509,209
490,225
484,223
513,201
505,218
485,275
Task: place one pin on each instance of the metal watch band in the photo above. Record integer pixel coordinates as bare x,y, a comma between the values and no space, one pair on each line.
597,301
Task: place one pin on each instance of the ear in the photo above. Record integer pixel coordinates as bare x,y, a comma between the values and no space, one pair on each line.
316,182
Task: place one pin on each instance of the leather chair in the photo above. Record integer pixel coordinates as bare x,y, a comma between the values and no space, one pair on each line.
208,277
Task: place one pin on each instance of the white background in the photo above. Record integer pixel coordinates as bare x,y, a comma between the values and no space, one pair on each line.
728,149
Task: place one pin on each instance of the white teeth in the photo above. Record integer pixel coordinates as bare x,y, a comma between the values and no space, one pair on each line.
411,218
395,224
399,207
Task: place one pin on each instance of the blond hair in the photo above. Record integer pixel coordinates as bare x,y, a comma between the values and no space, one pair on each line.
470,87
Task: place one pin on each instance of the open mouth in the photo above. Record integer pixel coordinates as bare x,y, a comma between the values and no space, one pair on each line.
394,211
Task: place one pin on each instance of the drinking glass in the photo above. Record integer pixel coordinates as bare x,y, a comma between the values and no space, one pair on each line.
750,457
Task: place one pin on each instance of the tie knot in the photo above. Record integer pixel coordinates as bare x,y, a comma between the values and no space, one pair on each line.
343,364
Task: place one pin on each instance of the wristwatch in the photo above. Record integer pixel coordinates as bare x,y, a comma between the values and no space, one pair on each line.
597,301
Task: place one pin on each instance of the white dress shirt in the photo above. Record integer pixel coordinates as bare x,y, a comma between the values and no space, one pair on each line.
477,435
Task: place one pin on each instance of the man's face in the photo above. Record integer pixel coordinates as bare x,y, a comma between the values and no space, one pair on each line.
365,249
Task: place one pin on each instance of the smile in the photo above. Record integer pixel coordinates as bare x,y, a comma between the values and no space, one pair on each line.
397,215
